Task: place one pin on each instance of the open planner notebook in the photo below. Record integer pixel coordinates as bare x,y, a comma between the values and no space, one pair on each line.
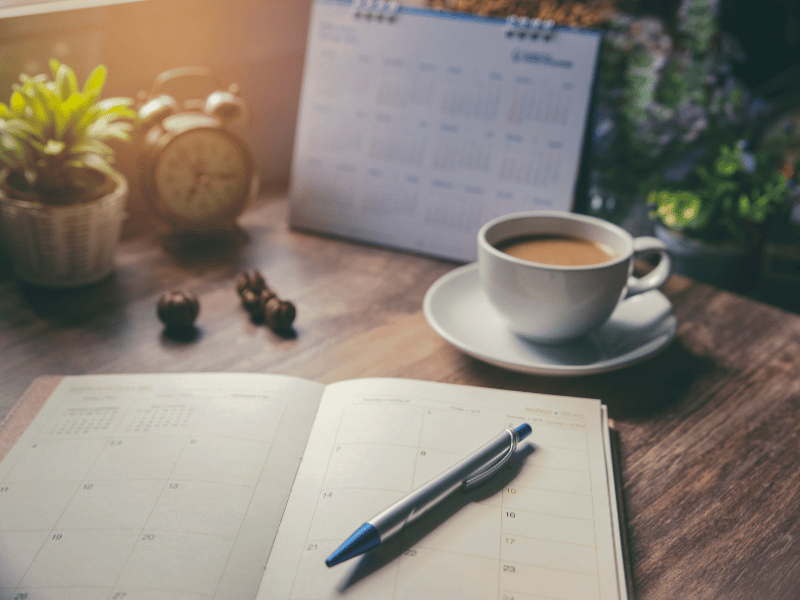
416,126
184,486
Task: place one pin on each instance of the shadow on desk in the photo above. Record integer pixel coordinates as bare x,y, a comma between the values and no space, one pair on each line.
194,250
636,392
79,305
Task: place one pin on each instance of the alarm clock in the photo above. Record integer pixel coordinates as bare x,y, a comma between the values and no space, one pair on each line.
196,173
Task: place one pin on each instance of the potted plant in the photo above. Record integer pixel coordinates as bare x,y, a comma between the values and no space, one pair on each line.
61,202
666,97
714,221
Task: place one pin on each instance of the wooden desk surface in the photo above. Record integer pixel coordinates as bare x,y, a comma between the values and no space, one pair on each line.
709,429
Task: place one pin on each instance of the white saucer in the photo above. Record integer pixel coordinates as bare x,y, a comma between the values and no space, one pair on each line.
458,310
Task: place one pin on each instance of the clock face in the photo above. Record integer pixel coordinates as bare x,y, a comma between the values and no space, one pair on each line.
202,175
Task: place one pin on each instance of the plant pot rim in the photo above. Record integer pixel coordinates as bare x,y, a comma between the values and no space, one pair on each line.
31,201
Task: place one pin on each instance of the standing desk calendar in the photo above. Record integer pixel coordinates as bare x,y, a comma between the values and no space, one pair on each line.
417,126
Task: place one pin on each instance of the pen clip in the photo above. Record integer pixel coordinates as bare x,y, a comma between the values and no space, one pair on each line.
480,476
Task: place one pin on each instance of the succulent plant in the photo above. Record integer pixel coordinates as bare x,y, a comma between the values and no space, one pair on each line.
53,136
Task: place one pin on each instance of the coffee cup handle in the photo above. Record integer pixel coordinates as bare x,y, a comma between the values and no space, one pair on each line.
656,277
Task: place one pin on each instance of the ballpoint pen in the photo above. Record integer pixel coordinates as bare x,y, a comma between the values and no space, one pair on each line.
466,474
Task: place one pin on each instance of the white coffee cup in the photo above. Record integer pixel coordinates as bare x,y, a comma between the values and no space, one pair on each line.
554,304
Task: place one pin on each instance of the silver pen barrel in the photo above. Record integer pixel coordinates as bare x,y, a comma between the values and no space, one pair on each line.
411,507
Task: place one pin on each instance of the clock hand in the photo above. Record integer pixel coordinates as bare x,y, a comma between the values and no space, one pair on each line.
200,178
192,191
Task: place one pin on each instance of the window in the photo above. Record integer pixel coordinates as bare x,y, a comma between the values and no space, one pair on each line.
18,8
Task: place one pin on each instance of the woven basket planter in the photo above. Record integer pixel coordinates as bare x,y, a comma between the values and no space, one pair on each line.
63,246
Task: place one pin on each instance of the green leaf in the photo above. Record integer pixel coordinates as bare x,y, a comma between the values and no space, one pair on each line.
60,119
104,130
678,210
18,104
744,205
118,107
30,176
49,98
36,79
91,146
54,66
54,147
71,81
34,98
94,84
12,148
74,102
94,161
78,108
36,145
110,103
20,128
61,84
101,164
727,165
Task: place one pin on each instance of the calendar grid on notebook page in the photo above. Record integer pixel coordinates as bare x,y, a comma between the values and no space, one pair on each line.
163,487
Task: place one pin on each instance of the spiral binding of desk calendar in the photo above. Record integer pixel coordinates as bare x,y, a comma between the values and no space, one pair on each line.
533,29
376,9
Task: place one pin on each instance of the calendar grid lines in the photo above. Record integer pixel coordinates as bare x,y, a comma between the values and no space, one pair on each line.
250,502
594,508
73,509
67,529
553,446
51,534
316,506
457,101
531,533
534,512
518,535
163,488
83,587
508,478
413,478
110,480
417,447
533,487
110,492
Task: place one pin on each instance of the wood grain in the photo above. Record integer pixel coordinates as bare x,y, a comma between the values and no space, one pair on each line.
708,429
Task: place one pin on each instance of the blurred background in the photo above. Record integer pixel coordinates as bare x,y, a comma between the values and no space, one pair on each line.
744,56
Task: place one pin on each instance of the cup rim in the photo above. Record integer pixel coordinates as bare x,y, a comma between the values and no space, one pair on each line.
567,216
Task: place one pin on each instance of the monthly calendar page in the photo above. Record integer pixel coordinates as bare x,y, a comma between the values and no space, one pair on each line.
151,487
546,528
414,130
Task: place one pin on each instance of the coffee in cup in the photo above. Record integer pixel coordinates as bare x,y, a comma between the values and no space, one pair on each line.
557,250
555,276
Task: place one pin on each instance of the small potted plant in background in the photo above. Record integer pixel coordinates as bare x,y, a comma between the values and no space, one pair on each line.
715,220
667,98
61,202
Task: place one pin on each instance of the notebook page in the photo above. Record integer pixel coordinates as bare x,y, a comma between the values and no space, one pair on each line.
144,487
540,530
